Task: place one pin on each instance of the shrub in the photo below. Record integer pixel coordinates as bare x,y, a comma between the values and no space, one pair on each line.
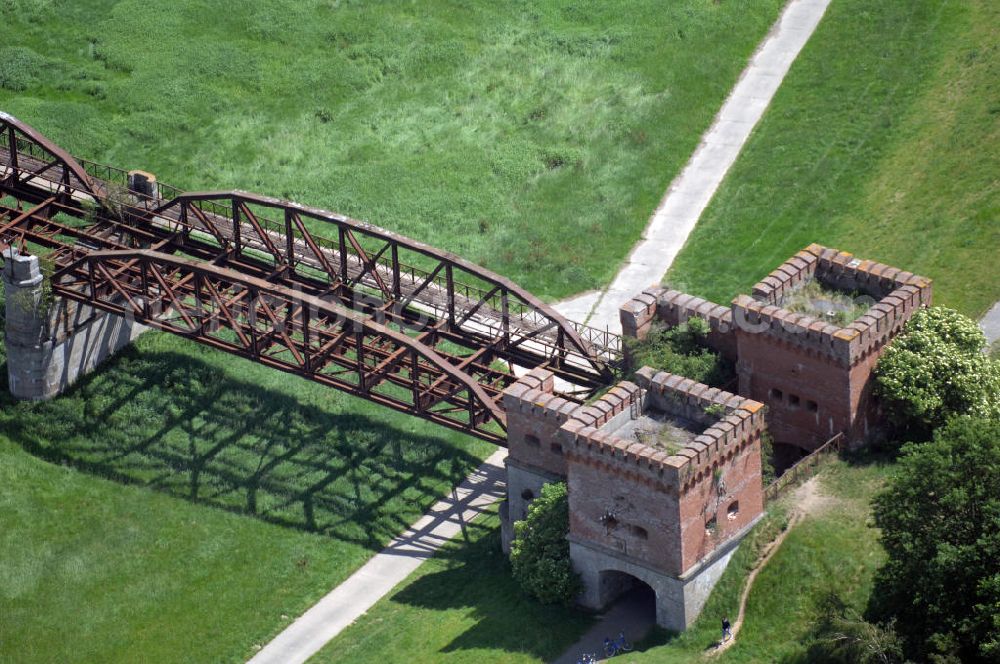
681,350
841,636
539,554
20,68
936,369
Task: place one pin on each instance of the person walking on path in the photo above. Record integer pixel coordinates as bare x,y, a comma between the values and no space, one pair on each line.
727,631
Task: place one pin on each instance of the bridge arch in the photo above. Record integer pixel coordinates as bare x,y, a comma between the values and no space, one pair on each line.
27,155
470,297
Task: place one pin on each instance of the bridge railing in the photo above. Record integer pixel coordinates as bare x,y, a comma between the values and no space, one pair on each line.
604,342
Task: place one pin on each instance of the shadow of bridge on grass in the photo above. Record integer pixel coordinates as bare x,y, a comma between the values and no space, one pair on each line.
179,424
475,580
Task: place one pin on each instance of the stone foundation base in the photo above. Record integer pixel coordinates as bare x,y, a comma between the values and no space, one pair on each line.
46,370
50,345
606,574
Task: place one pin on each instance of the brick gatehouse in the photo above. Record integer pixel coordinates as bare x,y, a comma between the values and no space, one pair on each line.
664,473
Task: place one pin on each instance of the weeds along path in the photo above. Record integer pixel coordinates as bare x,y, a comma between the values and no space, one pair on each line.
690,192
806,500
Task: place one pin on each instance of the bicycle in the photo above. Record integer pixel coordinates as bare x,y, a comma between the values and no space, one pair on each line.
616,646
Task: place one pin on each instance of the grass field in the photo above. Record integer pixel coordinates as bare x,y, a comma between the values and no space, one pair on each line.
532,137
181,504
94,571
884,141
463,606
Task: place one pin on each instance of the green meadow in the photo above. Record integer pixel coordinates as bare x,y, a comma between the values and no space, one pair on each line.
180,505
531,137
882,141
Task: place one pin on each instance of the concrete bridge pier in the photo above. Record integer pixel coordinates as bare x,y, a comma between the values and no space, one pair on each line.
51,344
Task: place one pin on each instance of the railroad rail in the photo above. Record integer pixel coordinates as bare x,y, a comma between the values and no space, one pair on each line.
304,290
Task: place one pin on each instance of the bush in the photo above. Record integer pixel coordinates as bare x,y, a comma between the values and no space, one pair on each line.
841,636
936,369
681,350
940,519
20,68
539,554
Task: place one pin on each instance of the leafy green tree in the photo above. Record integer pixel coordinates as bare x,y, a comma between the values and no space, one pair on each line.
935,369
940,521
539,554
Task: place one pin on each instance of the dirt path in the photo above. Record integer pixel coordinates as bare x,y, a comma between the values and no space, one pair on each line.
806,500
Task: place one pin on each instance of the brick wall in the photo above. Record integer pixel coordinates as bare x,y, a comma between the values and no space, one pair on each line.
654,506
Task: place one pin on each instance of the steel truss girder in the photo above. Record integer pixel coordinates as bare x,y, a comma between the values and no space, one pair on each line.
286,329
348,265
235,243
57,166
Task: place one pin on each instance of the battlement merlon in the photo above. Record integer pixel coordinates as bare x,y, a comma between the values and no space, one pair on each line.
637,315
587,438
533,396
838,269
844,345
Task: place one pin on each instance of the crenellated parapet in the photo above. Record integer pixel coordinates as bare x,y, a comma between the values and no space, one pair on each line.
671,308
727,423
898,293
534,415
839,270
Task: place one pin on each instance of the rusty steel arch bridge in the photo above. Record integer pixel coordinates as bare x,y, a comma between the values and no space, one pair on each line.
303,290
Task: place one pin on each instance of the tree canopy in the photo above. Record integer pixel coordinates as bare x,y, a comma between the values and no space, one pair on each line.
940,521
935,369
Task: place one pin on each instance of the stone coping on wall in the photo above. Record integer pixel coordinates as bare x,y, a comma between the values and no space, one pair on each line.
673,308
590,440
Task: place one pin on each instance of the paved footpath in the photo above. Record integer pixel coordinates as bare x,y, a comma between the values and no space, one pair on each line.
690,192
990,324
666,233
348,601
